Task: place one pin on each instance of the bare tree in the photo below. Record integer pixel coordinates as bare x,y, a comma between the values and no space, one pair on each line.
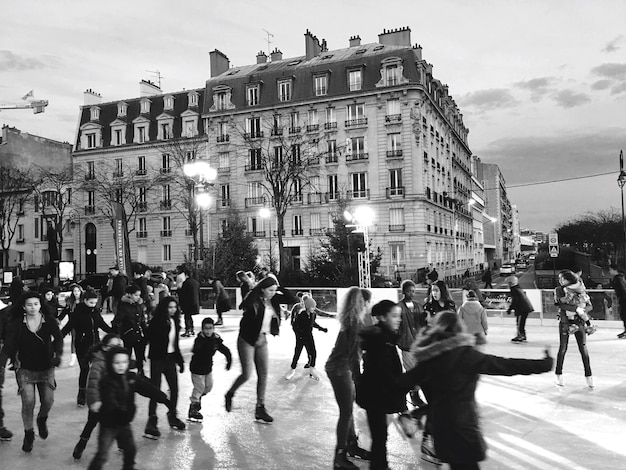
16,189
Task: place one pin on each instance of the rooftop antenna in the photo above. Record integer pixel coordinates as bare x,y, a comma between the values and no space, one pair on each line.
269,35
158,76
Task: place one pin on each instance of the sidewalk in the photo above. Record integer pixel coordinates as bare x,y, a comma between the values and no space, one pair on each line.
528,423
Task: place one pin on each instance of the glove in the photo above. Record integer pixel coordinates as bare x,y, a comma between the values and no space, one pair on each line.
546,351
228,364
56,361
181,367
95,407
325,330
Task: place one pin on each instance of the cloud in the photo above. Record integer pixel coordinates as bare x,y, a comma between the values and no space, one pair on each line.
619,88
611,71
614,44
486,100
11,61
569,98
538,87
601,84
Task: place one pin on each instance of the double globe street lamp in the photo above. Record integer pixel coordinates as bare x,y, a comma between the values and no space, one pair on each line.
203,175
362,217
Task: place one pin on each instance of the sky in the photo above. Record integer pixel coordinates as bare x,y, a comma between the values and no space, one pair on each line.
541,84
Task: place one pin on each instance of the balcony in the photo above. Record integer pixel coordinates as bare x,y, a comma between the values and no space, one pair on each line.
142,234
332,196
396,228
315,198
295,130
90,177
276,132
118,174
313,128
20,241
297,232
282,232
254,201
165,204
140,172
397,191
330,126
317,232
297,199
142,207
166,171
188,232
221,139
253,135
256,234
90,210
313,161
358,194
223,203
253,167
356,122
393,118
223,170
166,233
394,153
332,158
353,157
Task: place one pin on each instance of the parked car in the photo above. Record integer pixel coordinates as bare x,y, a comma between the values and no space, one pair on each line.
521,264
531,257
95,281
507,268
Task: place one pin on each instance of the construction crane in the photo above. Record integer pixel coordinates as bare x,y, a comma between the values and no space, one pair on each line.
38,106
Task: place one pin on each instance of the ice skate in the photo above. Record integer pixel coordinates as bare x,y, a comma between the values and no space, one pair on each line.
175,423
152,431
228,401
559,381
313,374
79,448
590,383
42,426
290,374
357,452
81,399
194,415
29,439
261,415
5,434
341,461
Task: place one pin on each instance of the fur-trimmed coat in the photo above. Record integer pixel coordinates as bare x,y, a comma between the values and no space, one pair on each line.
447,371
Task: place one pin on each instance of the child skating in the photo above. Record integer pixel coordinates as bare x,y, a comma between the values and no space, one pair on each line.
303,323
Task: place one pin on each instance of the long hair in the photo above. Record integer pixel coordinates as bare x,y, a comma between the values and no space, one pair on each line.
72,301
255,293
160,312
446,324
445,293
351,312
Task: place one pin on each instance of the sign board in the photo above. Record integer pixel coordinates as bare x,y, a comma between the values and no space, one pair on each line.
553,239
554,251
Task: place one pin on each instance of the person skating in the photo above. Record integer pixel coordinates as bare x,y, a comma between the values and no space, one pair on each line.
206,344
575,293
84,322
71,302
303,323
474,317
130,323
521,306
618,283
5,311
189,296
222,300
165,356
486,278
438,300
97,369
118,408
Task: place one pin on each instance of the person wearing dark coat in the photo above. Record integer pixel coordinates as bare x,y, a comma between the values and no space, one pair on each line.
130,323
448,369
5,311
619,284
117,390
85,321
119,282
439,300
486,278
189,295
375,390
522,307
303,321
222,300
16,289
164,354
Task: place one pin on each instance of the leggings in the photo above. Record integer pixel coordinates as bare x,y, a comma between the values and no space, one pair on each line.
377,421
249,354
166,367
581,338
343,386
90,425
521,324
307,342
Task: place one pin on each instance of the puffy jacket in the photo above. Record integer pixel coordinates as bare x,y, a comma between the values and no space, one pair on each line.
97,370
204,348
412,321
85,321
130,320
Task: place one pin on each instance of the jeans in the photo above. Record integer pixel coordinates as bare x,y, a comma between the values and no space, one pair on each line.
521,324
90,425
581,339
247,355
125,441
377,421
343,386
45,384
167,367
188,321
140,352
82,354
2,370
202,384
308,343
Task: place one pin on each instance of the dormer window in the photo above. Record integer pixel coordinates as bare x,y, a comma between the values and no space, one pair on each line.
168,103
95,113
193,99
121,109
391,72
284,90
355,79
145,106
321,85
222,98
252,95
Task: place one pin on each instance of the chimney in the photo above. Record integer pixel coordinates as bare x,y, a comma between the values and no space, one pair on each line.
355,41
147,88
312,45
90,97
276,55
219,63
395,37
261,58
417,49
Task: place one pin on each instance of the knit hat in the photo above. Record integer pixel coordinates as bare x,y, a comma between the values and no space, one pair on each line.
433,275
309,302
90,294
471,295
512,280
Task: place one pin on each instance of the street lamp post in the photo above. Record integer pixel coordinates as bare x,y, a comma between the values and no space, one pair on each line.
362,217
265,213
73,213
621,181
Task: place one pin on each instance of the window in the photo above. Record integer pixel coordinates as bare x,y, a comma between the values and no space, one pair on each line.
359,185
121,109
393,110
222,131
224,160
296,155
192,99
95,113
278,156
119,167
284,90
142,194
141,130
332,155
354,80
119,195
91,198
294,122
356,149
297,190
167,252
394,145
145,106
189,128
165,163
141,165
255,159
356,111
190,156
331,119
91,170
20,233
165,193
117,137
255,194
333,187
396,220
166,130
220,101
143,228
276,125
167,223
91,140
297,225
168,102
397,253
225,195
321,85
252,93
316,221
392,75
253,225
253,127
313,118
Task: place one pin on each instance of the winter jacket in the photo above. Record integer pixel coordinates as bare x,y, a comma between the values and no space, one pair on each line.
519,302
158,338
474,316
189,296
130,320
375,388
304,322
97,370
204,348
433,307
412,320
118,397
346,354
619,284
222,300
117,286
448,371
253,312
32,351
85,321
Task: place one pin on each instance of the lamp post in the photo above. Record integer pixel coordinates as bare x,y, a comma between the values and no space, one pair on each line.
203,175
265,213
621,181
362,218
74,214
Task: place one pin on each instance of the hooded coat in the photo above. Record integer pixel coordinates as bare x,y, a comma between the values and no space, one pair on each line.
448,371
475,318
85,321
130,320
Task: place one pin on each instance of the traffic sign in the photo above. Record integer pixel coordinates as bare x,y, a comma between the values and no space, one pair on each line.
554,251
553,239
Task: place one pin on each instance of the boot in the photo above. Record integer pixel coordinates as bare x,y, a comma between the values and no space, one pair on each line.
152,430
590,383
428,450
228,401
42,426
194,414
80,447
261,415
341,461
416,400
559,380
220,321
174,422
81,399
353,450
290,374
29,438
313,374
5,434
